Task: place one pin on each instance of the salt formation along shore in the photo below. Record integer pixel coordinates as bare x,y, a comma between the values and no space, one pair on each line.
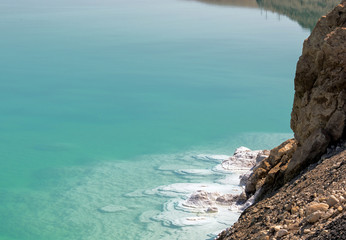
241,163
300,188
205,207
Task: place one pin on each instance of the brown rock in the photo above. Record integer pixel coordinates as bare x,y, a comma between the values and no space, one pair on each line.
263,235
270,166
257,175
328,214
282,232
314,217
271,212
319,109
294,210
316,207
332,200
318,120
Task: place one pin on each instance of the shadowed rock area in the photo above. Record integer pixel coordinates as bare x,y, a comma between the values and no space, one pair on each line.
299,188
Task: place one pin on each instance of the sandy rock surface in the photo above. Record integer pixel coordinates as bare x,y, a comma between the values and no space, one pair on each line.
300,209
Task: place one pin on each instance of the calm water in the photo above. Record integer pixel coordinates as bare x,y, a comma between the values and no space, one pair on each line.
102,101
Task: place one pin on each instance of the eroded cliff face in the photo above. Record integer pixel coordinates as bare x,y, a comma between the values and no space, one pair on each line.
318,120
318,116
319,111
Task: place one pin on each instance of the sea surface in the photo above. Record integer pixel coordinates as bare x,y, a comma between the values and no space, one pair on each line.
112,112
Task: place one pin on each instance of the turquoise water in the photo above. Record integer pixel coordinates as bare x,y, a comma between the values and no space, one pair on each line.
103,101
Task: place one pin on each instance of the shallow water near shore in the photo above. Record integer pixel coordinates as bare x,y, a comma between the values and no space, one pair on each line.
113,111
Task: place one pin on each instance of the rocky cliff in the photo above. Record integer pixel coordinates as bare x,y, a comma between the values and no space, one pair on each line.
311,207
284,180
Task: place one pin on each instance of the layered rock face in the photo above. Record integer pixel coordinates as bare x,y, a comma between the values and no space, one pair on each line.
318,116
299,188
319,111
266,170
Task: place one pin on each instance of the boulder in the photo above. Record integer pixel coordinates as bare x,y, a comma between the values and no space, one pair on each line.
316,207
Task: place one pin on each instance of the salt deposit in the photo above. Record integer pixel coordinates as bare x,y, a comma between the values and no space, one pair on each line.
211,202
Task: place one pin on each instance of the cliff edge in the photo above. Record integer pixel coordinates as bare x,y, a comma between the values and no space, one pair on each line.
282,181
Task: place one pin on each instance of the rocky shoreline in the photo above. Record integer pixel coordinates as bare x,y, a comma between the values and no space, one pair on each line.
299,189
306,208
243,161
